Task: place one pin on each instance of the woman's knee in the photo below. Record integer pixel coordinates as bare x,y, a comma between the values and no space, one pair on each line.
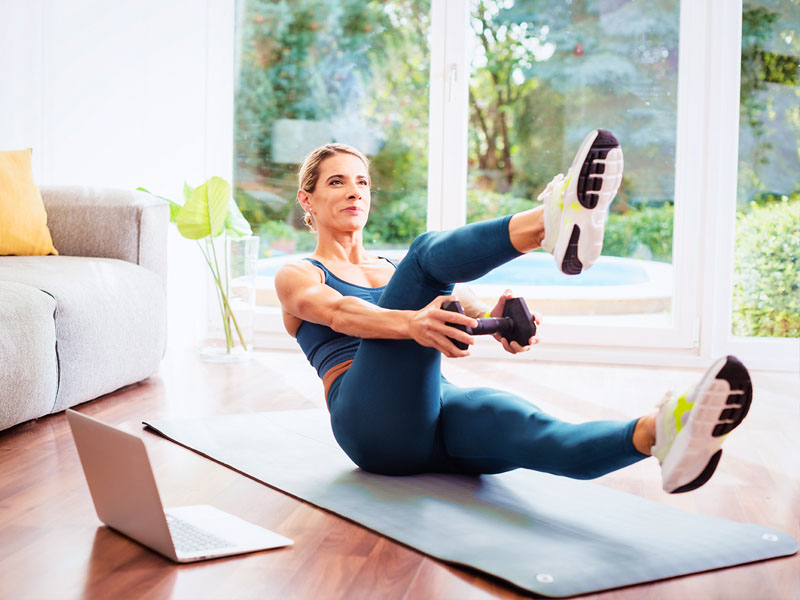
422,244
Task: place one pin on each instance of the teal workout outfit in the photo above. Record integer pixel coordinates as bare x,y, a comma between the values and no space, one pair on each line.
393,412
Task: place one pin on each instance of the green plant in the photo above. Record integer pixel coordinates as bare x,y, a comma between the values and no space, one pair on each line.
482,205
644,232
208,212
395,218
766,275
278,230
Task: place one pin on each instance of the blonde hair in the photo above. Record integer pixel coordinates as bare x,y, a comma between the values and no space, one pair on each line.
309,170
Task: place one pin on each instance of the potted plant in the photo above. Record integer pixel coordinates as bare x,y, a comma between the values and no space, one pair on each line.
209,216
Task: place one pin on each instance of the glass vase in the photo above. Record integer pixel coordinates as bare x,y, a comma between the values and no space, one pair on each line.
232,263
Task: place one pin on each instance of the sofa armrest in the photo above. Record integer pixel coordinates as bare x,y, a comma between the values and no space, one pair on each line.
108,223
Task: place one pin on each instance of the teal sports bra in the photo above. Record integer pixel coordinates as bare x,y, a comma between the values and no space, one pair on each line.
323,346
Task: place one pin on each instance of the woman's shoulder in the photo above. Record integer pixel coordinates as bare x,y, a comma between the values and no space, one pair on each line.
298,269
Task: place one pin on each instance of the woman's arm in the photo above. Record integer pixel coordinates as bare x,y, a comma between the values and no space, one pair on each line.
303,295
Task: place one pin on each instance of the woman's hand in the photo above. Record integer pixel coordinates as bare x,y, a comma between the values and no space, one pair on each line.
428,327
513,347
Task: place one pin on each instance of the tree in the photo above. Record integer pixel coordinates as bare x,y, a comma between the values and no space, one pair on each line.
342,70
547,71
769,146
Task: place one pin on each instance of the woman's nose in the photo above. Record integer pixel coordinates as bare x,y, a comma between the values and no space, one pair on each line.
353,191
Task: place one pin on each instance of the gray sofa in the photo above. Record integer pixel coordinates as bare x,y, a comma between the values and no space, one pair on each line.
91,320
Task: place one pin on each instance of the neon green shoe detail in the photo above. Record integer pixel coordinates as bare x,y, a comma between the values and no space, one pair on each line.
565,184
681,412
672,416
553,199
690,429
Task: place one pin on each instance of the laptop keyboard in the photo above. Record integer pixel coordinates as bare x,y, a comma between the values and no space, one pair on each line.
188,538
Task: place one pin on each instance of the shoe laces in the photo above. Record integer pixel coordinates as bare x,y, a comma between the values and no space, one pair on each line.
554,185
666,399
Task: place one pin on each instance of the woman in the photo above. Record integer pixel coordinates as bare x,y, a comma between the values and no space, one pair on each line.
375,332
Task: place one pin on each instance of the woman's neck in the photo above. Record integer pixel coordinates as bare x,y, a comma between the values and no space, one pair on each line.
341,246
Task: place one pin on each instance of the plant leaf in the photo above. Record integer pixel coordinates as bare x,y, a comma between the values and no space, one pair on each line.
174,207
205,211
236,225
187,191
219,194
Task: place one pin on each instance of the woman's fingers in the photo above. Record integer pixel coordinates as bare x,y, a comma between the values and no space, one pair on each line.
447,331
443,341
514,347
498,309
441,328
446,316
437,328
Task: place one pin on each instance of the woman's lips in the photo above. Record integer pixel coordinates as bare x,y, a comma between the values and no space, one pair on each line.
353,210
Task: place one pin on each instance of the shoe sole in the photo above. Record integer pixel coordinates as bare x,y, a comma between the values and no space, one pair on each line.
596,176
724,391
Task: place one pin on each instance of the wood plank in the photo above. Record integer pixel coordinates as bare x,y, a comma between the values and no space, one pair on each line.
53,546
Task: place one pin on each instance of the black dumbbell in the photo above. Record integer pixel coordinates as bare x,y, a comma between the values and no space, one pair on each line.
516,324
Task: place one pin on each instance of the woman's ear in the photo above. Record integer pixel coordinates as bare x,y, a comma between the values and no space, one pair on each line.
304,199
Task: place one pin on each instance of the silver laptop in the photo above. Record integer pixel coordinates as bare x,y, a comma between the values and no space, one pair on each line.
126,499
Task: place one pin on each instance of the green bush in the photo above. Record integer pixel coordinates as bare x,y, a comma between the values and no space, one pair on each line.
482,205
396,218
644,233
766,275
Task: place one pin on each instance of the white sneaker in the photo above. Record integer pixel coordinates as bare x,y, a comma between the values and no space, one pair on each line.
576,206
690,429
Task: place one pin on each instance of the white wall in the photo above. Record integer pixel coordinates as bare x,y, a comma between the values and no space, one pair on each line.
124,94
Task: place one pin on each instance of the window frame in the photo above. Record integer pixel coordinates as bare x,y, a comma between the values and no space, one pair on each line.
779,354
447,201
708,118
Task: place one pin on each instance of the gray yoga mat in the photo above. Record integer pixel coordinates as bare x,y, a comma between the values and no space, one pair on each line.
550,535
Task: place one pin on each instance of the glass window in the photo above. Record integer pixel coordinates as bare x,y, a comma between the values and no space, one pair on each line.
766,281
544,74
315,71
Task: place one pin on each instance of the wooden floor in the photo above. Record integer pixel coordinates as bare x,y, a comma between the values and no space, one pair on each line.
53,546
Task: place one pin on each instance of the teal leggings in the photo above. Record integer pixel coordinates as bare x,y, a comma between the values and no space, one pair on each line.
393,413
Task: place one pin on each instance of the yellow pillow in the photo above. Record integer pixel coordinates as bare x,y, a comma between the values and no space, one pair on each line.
23,220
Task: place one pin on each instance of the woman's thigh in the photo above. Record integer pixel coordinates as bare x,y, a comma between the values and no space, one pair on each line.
385,408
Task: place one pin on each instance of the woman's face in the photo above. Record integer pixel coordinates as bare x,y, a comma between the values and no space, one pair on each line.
341,198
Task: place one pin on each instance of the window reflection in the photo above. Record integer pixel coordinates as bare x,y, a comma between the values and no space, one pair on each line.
766,286
315,71
544,74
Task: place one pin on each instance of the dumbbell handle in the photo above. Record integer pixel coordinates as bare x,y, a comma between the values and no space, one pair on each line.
491,325
505,326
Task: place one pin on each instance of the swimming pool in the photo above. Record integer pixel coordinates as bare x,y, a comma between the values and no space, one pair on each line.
613,286
536,268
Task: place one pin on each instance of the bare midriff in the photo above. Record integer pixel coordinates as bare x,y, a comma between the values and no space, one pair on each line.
332,375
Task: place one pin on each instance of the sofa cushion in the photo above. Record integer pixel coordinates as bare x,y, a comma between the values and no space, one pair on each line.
110,320
29,373
108,223
23,228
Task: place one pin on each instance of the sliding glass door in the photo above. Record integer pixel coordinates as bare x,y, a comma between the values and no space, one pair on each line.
310,72
766,275
545,73
467,108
